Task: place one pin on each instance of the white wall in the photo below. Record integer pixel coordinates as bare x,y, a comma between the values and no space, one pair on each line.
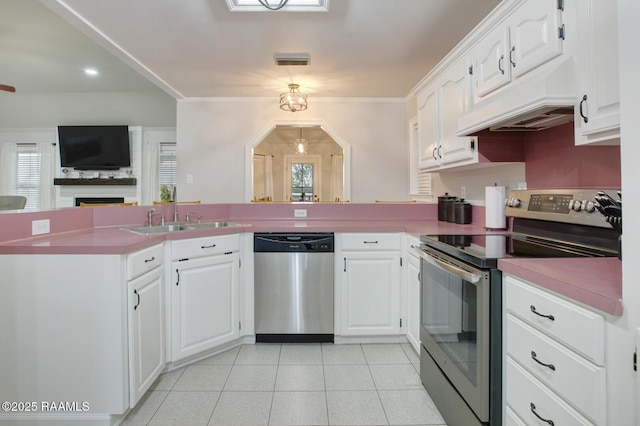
475,180
30,110
213,135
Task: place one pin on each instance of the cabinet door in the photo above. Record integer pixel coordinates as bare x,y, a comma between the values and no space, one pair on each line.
427,130
413,295
599,96
204,304
534,35
370,293
492,66
453,88
146,333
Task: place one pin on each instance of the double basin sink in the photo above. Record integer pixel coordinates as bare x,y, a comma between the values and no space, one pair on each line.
180,226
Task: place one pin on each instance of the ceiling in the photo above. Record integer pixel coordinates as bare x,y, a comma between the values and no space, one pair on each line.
198,48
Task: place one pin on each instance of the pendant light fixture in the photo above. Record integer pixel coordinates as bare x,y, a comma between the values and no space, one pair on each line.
293,100
300,145
278,6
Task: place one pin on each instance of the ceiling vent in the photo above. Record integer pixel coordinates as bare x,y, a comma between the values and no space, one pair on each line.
292,59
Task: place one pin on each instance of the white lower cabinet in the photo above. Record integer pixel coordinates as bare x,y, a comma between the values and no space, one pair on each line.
413,293
370,284
146,332
554,358
204,295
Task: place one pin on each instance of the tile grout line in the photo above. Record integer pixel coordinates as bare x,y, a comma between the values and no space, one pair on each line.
165,397
223,386
375,385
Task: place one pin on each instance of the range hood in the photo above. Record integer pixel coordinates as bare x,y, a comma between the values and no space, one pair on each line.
543,98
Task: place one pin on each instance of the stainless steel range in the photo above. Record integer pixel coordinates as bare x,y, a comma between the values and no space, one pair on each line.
461,294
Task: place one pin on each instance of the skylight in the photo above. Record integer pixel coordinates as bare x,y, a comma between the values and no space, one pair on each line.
291,6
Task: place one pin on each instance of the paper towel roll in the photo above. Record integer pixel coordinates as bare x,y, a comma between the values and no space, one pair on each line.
494,207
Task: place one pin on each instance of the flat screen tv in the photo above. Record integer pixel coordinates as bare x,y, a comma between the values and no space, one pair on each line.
94,147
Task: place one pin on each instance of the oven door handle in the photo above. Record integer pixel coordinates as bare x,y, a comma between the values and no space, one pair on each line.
458,272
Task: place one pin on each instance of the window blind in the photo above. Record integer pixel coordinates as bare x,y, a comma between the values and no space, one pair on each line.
28,174
168,163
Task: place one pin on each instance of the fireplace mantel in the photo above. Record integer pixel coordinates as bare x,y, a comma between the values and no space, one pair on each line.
95,181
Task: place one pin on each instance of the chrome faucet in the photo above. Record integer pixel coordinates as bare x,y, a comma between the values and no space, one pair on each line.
150,214
188,216
175,203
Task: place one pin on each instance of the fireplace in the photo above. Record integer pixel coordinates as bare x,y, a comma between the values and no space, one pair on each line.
98,200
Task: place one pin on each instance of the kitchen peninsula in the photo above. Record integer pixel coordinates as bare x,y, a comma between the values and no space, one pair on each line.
82,284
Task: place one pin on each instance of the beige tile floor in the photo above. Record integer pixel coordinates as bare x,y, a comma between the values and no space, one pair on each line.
293,384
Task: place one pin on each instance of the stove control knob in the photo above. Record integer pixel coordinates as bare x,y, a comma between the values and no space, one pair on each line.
515,202
590,207
577,205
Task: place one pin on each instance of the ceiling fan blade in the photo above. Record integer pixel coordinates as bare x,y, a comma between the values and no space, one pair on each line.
7,88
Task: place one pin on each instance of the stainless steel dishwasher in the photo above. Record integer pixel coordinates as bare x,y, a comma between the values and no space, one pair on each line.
293,287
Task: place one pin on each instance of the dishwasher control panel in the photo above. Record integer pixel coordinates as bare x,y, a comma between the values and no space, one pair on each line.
285,242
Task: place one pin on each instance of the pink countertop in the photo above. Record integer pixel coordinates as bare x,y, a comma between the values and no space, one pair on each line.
594,282
116,240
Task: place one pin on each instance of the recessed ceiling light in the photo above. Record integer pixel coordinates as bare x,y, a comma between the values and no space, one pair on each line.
91,71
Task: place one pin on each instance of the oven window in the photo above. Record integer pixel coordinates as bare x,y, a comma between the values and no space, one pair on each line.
449,316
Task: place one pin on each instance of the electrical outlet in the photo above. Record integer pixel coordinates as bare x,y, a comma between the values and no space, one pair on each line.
40,227
300,213
463,192
189,178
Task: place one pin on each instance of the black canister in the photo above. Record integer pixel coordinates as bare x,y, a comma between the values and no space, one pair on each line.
442,207
451,209
462,212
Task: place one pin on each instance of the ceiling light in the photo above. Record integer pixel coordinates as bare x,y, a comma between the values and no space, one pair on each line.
291,5
268,5
300,145
91,71
293,100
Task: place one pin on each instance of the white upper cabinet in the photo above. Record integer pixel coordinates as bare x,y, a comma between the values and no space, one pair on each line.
531,36
440,104
492,66
427,138
536,35
597,109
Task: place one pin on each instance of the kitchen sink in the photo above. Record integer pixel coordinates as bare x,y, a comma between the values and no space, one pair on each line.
205,225
160,229
179,226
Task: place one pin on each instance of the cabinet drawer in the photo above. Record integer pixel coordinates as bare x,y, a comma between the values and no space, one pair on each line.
367,241
578,328
579,381
205,246
144,260
527,397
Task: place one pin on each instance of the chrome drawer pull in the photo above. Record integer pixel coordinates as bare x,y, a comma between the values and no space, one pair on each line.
533,410
534,357
551,317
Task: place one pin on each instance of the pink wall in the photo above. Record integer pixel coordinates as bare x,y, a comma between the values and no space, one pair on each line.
553,161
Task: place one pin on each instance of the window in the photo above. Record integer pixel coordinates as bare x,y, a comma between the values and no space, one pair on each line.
167,166
302,182
28,174
302,175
